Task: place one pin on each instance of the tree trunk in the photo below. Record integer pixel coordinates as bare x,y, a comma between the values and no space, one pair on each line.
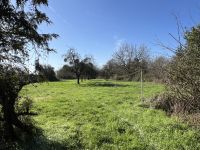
78,78
7,112
11,119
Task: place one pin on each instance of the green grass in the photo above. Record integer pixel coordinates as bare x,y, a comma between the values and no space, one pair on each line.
101,115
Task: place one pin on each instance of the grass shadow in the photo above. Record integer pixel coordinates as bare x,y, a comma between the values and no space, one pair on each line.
37,141
144,105
104,84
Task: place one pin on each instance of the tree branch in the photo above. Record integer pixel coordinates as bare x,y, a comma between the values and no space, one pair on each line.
26,114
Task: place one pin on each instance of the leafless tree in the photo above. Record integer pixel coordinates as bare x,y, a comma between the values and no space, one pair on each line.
158,68
131,58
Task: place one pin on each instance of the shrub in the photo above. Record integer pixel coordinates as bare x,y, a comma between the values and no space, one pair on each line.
184,78
164,102
24,105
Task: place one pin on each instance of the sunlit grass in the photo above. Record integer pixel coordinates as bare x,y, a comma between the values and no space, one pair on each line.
102,114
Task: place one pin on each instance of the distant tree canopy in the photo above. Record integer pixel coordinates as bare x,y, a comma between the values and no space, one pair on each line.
127,62
19,21
80,67
45,72
157,69
109,69
90,71
65,73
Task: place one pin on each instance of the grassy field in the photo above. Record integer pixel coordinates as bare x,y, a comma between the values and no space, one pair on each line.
104,115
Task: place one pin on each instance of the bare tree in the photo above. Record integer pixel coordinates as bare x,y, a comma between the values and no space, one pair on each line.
124,56
131,58
158,68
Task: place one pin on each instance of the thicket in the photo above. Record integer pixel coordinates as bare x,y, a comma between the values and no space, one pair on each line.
183,78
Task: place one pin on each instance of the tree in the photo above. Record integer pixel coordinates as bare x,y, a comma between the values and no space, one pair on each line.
18,37
158,69
125,56
65,73
127,62
11,81
47,73
89,71
109,69
77,64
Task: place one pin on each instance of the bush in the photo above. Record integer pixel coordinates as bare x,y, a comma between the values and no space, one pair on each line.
183,78
169,103
184,73
24,105
164,102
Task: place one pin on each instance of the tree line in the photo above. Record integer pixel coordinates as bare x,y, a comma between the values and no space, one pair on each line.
125,64
129,60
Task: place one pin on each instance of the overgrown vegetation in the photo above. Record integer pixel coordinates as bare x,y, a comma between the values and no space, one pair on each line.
184,78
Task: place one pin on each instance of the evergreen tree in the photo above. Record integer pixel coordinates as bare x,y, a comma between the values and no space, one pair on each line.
19,21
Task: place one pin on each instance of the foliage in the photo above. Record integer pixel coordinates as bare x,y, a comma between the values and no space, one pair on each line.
19,21
18,28
183,80
184,73
46,73
11,80
65,73
164,101
89,71
23,105
80,67
109,69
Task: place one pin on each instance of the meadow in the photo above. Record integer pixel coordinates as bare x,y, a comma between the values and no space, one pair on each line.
105,115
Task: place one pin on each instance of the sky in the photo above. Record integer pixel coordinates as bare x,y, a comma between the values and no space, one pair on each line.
97,27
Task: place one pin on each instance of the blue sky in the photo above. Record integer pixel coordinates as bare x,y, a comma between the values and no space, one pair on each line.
96,27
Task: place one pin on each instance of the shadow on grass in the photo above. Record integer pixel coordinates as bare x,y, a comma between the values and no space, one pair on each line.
144,105
37,141
103,84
